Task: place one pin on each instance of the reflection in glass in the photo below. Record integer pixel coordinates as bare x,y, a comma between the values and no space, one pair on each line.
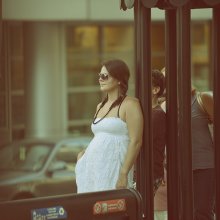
118,42
83,105
82,54
200,53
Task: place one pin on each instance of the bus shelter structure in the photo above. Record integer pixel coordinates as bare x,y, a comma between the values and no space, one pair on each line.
178,100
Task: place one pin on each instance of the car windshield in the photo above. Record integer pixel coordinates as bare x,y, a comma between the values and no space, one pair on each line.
24,157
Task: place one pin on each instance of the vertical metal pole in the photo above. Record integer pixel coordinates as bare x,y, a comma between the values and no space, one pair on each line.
216,68
184,97
140,164
146,93
172,115
144,166
1,36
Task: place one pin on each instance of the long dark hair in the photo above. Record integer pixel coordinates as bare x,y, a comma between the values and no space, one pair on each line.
119,70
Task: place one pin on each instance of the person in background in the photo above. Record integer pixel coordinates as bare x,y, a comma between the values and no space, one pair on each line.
107,163
159,128
202,155
203,163
159,141
162,99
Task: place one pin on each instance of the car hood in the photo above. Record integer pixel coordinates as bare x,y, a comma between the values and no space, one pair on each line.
11,177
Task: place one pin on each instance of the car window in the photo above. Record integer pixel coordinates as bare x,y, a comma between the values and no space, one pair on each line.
68,154
24,157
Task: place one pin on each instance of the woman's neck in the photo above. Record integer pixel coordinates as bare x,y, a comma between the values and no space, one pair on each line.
112,96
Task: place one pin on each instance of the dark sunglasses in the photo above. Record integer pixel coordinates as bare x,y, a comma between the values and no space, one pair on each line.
103,76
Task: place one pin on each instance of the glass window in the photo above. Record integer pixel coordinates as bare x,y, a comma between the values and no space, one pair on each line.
158,62
18,110
157,37
158,45
3,114
83,105
200,54
16,72
87,47
3,107
200,76
16,56
118,42
3,81
18,133
2,76
16,39
83,77
118,38
82,55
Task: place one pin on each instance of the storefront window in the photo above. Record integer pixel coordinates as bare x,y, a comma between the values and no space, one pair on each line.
16,57
78,102
118,42
18,110
3,111
201,66
87,48
82,55
158,45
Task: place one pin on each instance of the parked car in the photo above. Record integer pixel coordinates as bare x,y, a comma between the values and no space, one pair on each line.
39,168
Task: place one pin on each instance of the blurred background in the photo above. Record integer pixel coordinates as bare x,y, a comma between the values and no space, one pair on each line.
51,54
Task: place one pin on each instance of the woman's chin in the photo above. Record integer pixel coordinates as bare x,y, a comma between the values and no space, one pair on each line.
103,89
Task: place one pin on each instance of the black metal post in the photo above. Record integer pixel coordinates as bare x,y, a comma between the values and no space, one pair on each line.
216,69
146,92
171,114
144,169
140,181
1,41
184,98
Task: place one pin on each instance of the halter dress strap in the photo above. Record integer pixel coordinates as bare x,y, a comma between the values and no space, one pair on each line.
120,106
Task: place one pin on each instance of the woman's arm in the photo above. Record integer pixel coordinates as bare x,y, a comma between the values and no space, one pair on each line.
134,120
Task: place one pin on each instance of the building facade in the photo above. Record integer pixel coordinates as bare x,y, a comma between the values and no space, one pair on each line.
51,54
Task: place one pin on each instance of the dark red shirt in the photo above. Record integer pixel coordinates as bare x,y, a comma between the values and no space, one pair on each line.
159,141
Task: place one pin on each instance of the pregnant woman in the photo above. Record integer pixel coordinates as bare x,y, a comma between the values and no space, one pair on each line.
107,163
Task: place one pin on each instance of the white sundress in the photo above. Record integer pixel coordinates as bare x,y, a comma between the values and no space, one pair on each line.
98,168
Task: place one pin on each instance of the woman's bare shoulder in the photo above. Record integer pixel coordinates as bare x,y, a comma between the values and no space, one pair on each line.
131,101
133,110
